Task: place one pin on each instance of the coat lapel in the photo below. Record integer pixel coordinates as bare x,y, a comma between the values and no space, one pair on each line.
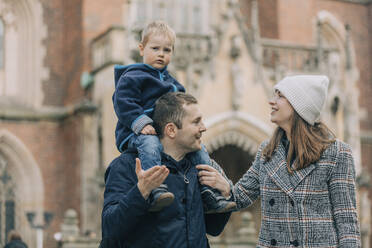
277,170
299,175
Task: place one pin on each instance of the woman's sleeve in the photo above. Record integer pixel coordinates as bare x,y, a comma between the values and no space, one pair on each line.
342,195
247,189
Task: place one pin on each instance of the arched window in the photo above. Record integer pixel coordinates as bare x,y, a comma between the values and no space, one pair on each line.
7,202
22,31
190,17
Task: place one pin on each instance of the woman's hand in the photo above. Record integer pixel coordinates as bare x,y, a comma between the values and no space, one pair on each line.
211,177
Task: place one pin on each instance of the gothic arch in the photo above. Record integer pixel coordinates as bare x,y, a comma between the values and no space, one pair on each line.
343,82
235,128
24,51
29,182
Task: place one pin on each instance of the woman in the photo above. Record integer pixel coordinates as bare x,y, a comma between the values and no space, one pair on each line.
305,177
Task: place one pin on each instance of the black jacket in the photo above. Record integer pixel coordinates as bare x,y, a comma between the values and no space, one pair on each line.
16,244
126,221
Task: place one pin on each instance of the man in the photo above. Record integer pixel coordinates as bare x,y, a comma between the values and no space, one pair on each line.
126,221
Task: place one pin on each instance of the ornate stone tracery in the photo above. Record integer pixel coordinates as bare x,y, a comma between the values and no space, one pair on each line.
24,52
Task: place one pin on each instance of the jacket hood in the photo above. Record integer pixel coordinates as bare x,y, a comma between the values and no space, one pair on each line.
122,69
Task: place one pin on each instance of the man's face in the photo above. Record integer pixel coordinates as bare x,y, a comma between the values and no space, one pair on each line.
188,138
157,52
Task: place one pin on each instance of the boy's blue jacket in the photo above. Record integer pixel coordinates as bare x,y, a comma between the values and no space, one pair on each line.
137,87
126,221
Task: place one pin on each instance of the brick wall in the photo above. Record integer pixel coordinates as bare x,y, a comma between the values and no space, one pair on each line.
54,88
268,18
98,16
73,49
267,15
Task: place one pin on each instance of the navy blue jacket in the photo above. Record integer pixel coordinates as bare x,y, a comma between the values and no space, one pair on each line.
137,87
16,244
126,221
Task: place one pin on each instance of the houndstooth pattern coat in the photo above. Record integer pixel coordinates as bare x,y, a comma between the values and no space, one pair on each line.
313,207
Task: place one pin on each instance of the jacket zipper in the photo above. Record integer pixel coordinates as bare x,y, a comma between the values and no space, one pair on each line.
185,179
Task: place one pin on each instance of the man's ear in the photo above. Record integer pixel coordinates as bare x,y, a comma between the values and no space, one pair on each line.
170,130
141,47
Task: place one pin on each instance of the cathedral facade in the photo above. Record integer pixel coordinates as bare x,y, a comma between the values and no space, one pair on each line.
56,82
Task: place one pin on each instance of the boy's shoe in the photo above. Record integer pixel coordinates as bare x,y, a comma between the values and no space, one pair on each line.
216,203
160,197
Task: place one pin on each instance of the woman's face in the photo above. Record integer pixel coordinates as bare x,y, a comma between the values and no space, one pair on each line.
281,111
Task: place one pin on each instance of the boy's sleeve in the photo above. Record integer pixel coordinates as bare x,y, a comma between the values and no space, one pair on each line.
127,104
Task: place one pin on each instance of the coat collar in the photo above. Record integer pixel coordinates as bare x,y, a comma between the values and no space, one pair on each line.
277,169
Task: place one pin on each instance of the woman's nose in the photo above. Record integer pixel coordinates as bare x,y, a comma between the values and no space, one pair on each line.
203,128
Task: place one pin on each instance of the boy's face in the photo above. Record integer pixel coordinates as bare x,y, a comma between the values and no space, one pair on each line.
157,52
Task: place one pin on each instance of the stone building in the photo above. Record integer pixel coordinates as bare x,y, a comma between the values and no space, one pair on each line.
56,83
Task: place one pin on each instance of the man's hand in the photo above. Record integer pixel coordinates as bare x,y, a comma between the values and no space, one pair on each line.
148,129
151,178
211,177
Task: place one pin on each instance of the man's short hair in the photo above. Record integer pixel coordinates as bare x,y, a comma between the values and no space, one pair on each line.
158,28
169,109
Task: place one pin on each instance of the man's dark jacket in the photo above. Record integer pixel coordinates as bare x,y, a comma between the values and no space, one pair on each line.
137,87
16,244
126,221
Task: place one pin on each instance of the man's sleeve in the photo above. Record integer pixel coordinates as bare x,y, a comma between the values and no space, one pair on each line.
124,206
127,104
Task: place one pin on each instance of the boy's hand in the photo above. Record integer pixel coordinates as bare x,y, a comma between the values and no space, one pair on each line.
148,129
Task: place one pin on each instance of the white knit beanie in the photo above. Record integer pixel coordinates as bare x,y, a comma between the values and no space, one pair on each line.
306,93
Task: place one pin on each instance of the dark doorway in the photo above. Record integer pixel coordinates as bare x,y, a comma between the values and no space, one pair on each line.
235,162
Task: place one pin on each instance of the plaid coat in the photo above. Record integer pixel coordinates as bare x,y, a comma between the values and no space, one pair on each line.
313,207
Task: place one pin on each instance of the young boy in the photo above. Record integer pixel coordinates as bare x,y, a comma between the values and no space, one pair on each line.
138,86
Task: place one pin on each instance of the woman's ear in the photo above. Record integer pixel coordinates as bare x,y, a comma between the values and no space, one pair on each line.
170,130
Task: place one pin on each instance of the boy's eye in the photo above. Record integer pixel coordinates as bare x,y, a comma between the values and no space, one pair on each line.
167,50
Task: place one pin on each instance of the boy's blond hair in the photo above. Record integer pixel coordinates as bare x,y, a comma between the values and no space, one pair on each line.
158,28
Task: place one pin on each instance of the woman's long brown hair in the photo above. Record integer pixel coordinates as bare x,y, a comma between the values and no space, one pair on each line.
307,143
